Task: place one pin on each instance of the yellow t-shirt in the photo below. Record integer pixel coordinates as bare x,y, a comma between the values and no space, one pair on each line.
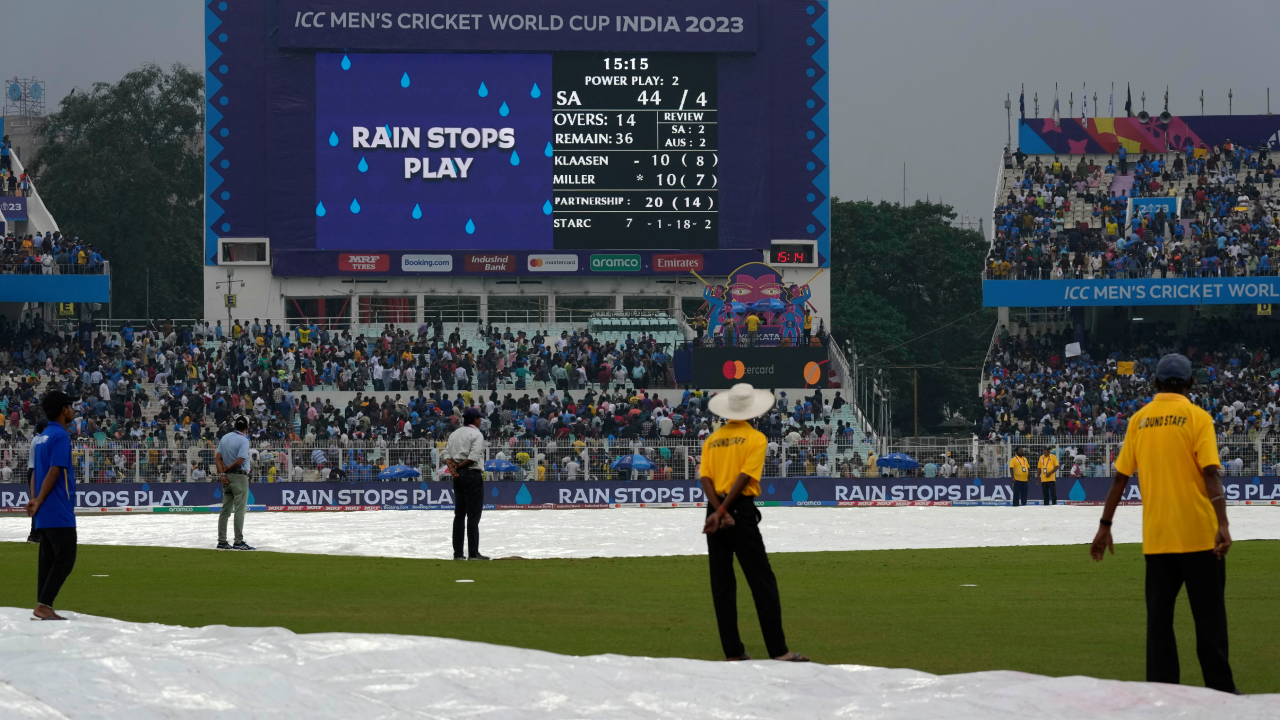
753,323
734,449
1048,466
1112,228
1168,444
1020,467
542,472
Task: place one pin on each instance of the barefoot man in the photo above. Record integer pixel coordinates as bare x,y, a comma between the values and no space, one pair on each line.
53,507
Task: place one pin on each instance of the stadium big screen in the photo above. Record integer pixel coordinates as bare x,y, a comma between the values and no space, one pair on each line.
397,137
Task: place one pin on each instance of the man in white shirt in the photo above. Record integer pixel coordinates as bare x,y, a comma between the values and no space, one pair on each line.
464,454
571,469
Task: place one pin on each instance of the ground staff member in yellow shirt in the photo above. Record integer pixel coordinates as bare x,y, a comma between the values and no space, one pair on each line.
1048,467
1019,468
1170,445
732,463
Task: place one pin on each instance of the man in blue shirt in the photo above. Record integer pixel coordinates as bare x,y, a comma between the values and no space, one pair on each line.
53,508
232,460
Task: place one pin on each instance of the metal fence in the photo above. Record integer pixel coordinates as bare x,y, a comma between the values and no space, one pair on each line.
1084,456
672,458
543,459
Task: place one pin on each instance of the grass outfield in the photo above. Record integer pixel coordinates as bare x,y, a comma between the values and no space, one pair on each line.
1047,610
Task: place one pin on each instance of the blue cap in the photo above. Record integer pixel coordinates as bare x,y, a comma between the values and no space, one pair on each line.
471,414
1173,367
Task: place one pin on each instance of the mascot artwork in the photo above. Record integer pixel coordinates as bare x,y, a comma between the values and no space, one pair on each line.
755,288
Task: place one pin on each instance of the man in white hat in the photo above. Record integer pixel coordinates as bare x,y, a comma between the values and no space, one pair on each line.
732,463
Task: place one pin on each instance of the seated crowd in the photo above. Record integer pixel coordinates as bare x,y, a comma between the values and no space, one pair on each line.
1229,224
548,394
1035,390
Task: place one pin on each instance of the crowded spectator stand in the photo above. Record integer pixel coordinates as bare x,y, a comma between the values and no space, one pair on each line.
1068,218
152,400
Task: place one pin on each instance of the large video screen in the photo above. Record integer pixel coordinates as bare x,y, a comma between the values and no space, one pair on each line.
584,137
516,151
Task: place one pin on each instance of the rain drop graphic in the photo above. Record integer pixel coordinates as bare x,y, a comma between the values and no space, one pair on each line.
494,492
770,489
333,139
320,209
515,158
404,80
800,494
484,91
1077,493
548,151
536,92
346,63
524,497
355,205
417,212
504,110
471,227
363,166
546,208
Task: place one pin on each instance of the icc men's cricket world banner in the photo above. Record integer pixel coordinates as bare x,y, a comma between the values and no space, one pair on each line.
515,495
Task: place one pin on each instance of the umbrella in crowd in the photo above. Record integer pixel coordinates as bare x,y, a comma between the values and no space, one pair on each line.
631,462
500,466
738,307
898,461
398,472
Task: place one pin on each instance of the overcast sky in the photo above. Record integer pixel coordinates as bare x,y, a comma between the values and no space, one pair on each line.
915,82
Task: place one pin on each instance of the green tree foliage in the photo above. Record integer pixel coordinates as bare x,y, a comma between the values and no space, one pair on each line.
899,275
123,170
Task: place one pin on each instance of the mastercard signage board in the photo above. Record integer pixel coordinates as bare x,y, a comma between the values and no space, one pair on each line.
771,367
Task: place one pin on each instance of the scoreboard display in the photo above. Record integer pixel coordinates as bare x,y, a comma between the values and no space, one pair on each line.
398,137
635,151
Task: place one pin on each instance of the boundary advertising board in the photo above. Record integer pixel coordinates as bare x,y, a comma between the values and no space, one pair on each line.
798,492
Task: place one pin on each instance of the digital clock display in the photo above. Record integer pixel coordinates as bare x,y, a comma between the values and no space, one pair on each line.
799,254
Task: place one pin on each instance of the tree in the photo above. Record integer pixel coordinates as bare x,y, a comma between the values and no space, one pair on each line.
123,170
910,293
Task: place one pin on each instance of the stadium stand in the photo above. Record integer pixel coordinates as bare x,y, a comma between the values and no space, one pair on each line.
1069,379
152,400
1066,218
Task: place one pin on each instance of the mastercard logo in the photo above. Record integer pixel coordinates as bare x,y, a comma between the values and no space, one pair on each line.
536,262
734,369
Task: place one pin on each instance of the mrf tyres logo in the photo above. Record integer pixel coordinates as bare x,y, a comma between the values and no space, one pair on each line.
615,263
350,262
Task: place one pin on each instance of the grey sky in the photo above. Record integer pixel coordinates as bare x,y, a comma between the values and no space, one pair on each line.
911,81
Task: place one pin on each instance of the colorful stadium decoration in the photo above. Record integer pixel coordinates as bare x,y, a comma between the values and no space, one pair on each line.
1073,136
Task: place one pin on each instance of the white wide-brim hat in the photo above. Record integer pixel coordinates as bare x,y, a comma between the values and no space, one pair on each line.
741,402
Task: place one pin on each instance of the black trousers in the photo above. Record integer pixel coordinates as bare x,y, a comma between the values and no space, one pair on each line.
468,501
744,540
57,558
1205,577
1049,491
1020,493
